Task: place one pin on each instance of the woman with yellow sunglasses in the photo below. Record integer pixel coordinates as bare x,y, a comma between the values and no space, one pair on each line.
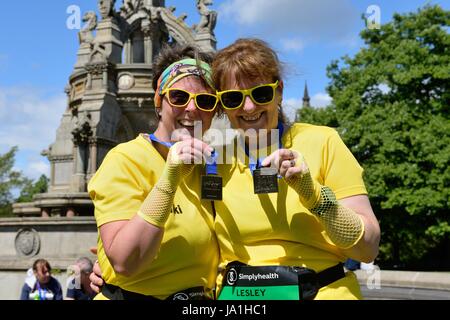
292,210
155,239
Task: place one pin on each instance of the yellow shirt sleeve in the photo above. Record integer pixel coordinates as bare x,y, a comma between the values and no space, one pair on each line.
341,171
117,189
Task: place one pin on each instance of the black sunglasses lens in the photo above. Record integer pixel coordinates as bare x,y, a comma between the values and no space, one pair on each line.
206,101
263,94
178,97
232,99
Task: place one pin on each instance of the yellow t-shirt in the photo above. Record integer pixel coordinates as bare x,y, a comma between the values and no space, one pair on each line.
276,229
188,256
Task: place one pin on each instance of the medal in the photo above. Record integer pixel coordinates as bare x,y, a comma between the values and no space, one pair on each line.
265,180
211,187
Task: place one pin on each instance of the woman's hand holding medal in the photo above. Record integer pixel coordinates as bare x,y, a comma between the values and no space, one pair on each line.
291,165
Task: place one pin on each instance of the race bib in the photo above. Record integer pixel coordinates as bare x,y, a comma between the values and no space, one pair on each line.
261,283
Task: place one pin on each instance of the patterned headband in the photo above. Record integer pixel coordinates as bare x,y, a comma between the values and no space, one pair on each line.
180,70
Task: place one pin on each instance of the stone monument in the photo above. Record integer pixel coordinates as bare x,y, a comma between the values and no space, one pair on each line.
109,94
109,101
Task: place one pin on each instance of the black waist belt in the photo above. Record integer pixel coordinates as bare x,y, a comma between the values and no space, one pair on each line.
239,279
116,293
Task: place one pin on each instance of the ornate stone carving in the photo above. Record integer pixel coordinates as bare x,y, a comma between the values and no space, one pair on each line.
98,55
138,100
86,34
106,8
96,68
83,130
149,28
27,242
176,27
208,18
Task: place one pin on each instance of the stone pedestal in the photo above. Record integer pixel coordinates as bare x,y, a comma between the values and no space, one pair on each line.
108,36
83,56
206,41
60,204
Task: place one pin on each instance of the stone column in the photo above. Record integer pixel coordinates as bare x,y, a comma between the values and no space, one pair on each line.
83,55
127,49
92,164
147,29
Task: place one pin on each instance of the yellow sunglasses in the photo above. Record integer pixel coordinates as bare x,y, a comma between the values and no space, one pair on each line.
180,98
260,95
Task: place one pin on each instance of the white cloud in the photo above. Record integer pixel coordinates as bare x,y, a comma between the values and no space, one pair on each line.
35,169
321,100
316,20
292,44
290,107
29,118
248,12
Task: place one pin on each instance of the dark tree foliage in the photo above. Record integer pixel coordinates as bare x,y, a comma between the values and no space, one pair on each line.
391,106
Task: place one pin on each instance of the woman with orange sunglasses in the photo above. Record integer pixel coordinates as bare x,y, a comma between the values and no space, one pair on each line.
156,241
294,209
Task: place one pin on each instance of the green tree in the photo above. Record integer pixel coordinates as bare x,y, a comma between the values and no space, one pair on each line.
391,106
320,116
9,179
31,188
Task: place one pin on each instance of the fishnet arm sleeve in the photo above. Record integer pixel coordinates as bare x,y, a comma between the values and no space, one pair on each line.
344,227
157,205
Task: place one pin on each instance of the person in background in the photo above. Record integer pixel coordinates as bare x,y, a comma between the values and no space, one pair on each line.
39,283
78,287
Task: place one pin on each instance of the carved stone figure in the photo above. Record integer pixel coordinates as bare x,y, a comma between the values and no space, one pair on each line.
106,8
81,134
86,34
208,18
82,131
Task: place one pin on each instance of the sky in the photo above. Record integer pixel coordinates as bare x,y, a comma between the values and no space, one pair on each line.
38,52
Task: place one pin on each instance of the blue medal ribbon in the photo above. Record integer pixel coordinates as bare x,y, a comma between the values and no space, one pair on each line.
211,163
155,139
253,165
